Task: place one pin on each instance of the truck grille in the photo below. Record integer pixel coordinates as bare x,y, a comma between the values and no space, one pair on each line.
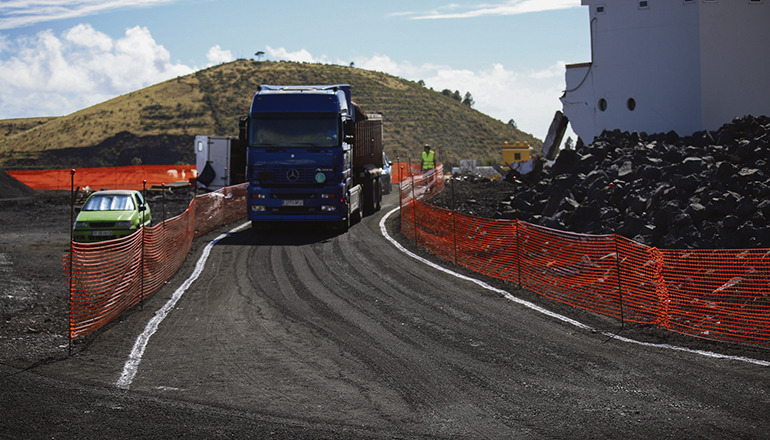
285,176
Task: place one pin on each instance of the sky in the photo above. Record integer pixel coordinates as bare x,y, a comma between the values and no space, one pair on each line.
60,56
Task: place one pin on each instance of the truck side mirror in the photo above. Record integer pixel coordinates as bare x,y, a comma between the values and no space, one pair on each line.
243,131
349,127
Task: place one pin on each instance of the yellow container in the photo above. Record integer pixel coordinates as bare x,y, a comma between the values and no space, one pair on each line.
518,152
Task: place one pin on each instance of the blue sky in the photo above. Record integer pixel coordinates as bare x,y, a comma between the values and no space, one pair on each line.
59,56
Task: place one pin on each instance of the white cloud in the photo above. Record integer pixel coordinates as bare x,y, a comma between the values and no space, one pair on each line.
46,75
86,36
509,7
530,98
216,56
302,55
19,13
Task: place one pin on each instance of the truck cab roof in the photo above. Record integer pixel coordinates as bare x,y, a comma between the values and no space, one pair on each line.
304,99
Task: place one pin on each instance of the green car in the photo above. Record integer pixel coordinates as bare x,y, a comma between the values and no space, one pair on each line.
111,214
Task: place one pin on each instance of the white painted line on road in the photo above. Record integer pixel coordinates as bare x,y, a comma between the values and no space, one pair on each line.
554,315
135,358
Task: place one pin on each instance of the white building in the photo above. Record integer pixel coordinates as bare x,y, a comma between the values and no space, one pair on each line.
662,65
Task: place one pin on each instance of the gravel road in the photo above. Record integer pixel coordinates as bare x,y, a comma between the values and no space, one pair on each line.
307,334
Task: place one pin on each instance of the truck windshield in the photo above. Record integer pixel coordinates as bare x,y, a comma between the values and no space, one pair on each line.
294,132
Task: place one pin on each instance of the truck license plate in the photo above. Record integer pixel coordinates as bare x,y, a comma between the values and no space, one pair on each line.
293,202
101,233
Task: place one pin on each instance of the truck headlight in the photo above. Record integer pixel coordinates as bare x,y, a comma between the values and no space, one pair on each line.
258,196
258,208
328,208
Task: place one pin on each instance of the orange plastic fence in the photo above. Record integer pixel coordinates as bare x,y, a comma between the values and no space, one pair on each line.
129,177
715,294
110,277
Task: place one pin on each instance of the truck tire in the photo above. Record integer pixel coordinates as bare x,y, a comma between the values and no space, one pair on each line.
343,225
372,196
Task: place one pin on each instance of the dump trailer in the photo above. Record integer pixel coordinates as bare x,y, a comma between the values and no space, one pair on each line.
312,156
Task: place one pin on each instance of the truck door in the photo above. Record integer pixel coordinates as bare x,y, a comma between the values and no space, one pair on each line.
215,152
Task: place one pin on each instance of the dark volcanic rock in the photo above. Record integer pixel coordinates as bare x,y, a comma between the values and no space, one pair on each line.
708,190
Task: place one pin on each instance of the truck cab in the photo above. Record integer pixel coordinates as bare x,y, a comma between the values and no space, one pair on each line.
300,142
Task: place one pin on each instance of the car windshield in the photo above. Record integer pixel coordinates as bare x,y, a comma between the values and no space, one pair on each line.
112,202
294,132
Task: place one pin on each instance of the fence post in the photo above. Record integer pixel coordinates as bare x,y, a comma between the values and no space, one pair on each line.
400,193
414,201
661,290
620,288
141,259
454,222
518,250
72,251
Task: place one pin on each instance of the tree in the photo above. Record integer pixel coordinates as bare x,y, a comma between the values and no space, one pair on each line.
421,83
352,64
468,100
569,143
512,123
259,55
457,96
446,92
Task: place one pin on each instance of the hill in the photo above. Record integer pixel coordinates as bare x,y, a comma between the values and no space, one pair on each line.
157,124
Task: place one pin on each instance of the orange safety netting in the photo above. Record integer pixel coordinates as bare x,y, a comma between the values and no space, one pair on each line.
715,294
108,278
399,171
128,177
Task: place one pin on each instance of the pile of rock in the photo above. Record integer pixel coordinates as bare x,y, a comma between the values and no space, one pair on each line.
705,191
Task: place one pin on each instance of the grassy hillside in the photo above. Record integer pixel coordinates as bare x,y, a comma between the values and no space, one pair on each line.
11,127
157,124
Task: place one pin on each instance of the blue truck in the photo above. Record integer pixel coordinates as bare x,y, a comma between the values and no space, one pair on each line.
312,156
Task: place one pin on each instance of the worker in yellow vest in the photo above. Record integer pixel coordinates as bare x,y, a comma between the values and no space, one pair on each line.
428,165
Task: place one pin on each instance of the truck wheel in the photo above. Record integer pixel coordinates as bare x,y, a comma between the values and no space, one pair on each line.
370,196
343,225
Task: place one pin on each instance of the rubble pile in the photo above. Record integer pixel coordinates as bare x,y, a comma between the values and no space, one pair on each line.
705,191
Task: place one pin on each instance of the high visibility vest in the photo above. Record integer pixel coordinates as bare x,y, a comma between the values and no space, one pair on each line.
428,160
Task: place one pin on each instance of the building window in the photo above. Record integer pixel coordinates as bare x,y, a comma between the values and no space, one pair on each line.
756,2
644,4
709,1
600,9
631,104
602,104
689,2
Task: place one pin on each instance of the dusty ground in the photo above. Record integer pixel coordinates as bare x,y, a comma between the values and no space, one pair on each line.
33,284
34,290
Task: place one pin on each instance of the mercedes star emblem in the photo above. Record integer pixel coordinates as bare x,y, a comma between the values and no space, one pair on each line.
292,174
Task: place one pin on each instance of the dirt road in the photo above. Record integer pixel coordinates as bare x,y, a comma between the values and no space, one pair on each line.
306,334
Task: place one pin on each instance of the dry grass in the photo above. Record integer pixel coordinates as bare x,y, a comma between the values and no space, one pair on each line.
211,101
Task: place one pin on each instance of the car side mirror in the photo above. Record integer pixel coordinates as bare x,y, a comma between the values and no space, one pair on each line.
142,208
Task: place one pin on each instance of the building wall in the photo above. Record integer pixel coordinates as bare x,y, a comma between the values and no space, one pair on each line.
669,65
735,60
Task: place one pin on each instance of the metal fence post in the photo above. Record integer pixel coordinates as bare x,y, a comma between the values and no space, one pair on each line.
72,251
